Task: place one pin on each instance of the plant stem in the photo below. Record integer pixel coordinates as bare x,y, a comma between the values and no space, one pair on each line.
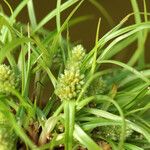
69,111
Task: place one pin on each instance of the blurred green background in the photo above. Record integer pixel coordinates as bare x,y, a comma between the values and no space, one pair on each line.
84,32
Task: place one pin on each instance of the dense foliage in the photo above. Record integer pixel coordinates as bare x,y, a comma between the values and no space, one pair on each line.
89,105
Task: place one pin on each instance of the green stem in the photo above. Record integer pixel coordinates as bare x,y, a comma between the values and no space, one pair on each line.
69,111
59,110
71,122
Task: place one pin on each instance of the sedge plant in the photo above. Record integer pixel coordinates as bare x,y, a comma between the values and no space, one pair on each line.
88,106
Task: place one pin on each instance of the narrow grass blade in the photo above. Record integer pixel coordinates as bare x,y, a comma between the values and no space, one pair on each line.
18,9
103,11
31,13
134,71
13,44
84,139
46,130
54,12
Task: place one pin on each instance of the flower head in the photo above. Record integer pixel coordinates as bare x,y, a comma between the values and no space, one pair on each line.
71,81
7,79
78,53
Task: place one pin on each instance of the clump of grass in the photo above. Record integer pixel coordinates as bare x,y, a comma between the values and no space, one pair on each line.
88,107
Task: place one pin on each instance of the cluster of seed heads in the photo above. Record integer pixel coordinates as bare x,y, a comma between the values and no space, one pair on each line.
7,79
71,81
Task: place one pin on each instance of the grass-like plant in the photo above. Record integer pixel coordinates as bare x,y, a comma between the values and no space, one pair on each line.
88,106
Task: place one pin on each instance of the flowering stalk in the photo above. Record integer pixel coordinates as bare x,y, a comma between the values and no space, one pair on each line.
68,87
70,83
69,114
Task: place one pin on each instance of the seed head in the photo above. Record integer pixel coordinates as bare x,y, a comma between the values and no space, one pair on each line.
71,81
78,53
7,79
69,84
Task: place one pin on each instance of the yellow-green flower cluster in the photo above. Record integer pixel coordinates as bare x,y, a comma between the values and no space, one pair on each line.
7,135
7,79
78,53
70,83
